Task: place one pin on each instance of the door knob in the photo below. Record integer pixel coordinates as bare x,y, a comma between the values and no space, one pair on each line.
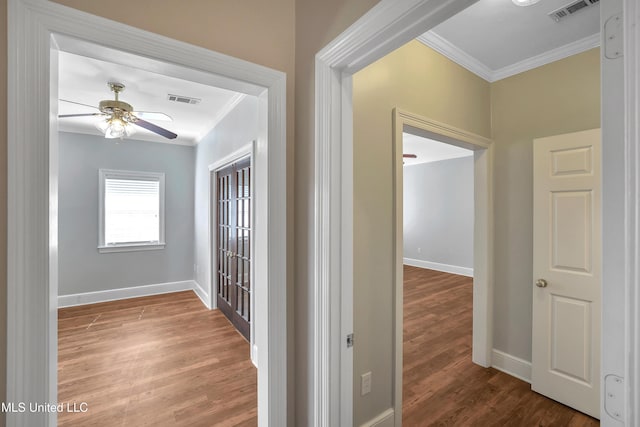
541,283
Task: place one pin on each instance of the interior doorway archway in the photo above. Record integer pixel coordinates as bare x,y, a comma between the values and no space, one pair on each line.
32,201
482,342
387,26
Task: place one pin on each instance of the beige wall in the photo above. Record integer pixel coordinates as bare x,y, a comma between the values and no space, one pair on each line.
557,98
416,79
317,23
3,205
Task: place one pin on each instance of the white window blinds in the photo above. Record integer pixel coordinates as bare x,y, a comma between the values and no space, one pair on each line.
131,211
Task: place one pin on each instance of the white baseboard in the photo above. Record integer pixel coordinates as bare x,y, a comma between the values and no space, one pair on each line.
511,365
453,269
124,293
254,355
202,294
385,419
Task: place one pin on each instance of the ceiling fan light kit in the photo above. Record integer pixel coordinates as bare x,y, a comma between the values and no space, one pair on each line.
119,117
524,2
115,127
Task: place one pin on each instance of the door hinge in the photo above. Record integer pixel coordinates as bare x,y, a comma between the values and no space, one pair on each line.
613,42
614,396
349,340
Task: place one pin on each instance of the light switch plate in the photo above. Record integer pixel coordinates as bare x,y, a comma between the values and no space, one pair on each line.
365,383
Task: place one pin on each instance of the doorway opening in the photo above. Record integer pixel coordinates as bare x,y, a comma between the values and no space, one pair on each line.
151,238
335,70
33,144
233,250
232,246
478,202
437,198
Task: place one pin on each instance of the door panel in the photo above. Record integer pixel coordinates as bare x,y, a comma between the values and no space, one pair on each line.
566,265
225,228
571,338
242,258
571,230
234,244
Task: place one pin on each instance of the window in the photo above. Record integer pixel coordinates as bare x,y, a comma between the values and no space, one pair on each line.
131,211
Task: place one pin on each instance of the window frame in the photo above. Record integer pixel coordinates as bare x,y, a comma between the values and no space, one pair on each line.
103,175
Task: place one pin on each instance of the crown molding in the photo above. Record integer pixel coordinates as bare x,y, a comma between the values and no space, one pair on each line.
226,109
548,57
457,55
467,61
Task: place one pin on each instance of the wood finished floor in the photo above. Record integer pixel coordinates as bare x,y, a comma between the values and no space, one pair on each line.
442,387
163,360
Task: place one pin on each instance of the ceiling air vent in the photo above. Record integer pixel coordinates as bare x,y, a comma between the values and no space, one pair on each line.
183,99
571,8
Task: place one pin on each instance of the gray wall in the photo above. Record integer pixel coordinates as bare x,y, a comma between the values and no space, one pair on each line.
82,268
438,212
237,129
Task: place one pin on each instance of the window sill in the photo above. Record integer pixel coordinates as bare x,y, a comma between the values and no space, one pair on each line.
131,247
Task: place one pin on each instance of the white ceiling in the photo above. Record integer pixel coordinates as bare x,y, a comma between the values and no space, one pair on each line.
429,150
84,80
495,38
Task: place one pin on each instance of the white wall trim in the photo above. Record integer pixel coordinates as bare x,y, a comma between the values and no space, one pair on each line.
202,294
32,195
511,365
446,268
631,26
72,300
244,151
387,26
457,55
385,419
460,57
553,55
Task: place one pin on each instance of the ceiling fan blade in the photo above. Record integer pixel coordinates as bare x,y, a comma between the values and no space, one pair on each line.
153,115
62,116
409,156
155,129
80,103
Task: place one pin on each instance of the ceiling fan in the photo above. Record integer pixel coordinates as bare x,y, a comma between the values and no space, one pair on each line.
408,156
118,116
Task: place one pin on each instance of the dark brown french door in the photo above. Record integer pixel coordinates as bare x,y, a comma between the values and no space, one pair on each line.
234,244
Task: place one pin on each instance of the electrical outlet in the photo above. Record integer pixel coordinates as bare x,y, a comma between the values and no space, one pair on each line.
365,383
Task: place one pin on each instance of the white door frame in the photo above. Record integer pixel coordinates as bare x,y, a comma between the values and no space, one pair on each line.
387,26
631,51
32,195
241,153
482,341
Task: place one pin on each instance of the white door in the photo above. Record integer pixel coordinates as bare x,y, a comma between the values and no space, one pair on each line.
566,269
